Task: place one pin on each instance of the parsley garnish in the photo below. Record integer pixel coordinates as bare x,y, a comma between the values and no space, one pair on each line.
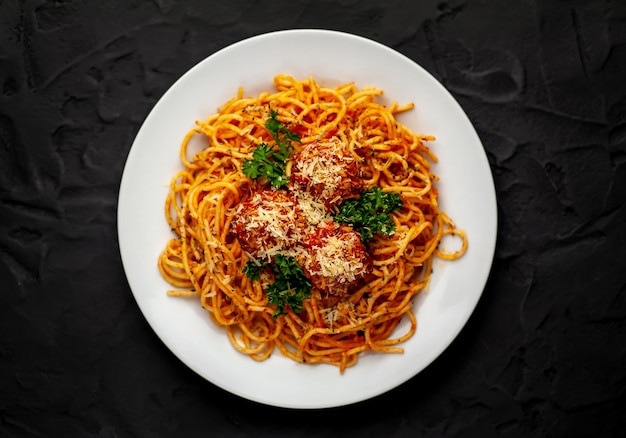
370,214
253,270
270,162
290,287
264,164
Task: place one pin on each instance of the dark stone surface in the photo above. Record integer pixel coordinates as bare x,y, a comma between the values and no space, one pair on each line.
544,354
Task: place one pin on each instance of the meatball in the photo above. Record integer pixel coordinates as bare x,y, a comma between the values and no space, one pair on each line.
334,258
267,223
327,171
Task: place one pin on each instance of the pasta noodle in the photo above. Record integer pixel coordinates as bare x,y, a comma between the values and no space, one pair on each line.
205,259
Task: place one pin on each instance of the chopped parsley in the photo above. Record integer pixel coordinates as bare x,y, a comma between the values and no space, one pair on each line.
264,164
370,214
268,161
281,134
290,286
252,270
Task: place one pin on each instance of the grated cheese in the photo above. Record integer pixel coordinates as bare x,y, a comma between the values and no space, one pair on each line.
327,170
334,263
314,211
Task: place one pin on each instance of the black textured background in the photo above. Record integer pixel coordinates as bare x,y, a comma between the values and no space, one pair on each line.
544,354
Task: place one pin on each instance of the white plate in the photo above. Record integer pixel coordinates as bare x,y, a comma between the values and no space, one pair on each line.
466,193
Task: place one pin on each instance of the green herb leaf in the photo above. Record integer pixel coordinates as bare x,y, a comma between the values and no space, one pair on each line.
252,270
290,287
270,162
280,132
263,164
370,214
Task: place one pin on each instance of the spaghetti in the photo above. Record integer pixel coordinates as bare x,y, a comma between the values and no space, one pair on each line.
342,317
